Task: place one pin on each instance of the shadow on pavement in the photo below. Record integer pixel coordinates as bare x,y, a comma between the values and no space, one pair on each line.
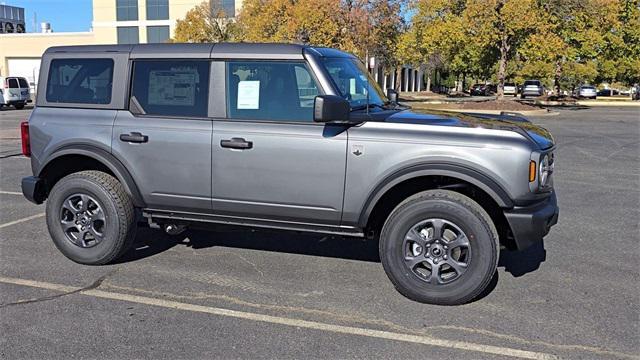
150,242
519,263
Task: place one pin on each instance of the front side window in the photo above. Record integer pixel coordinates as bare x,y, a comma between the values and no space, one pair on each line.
23,83
128,35
353,81
81,81
126,10
171,88
157,34
157,9
276,91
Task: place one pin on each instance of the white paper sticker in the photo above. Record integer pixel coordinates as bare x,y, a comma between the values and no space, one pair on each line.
249,95
352,86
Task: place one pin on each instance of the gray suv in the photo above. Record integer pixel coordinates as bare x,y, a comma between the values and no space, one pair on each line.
280,136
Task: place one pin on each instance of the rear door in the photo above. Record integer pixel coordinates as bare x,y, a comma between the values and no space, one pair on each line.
164,138
25,90
270,160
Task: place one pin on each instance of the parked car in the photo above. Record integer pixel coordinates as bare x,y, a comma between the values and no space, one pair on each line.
585,92
510,89
635,92
480,90
608,92
15,91
194,134
532,88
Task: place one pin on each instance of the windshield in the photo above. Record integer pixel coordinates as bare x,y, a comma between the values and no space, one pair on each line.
354,82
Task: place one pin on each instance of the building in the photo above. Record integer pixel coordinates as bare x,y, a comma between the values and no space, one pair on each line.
11,19
114,22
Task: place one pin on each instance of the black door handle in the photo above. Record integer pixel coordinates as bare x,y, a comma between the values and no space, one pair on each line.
134,137
236,143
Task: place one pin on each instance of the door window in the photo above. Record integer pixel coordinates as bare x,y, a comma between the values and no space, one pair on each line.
171,88
13,84
276,91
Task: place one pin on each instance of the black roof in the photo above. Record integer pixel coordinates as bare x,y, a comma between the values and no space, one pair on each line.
206,50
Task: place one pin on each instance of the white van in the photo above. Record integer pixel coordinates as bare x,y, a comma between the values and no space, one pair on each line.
14,91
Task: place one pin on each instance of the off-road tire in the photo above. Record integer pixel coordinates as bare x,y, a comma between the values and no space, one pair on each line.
119,225
470,217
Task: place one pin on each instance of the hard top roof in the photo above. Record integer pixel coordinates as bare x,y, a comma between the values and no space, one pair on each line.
206,50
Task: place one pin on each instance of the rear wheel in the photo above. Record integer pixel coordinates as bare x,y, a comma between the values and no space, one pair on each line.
439,247
19,106
90,217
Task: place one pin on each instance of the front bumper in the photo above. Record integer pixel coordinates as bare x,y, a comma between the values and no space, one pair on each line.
530,224
34,189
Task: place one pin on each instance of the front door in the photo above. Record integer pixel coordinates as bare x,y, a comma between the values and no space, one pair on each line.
270,160
164,139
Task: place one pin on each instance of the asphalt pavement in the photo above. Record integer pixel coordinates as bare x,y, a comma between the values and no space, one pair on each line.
241,293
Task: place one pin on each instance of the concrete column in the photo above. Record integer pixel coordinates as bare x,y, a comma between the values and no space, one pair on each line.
412,77
420,75
406,79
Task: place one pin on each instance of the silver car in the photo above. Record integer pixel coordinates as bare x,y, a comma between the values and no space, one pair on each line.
280,136
586,92
510,89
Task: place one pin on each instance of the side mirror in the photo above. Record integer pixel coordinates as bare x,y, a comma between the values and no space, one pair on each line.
331,108
392,95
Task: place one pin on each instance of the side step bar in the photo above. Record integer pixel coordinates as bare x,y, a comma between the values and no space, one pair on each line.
154,216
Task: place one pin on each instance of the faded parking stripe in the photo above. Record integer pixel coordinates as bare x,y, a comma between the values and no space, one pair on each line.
10,193
21,220
349,330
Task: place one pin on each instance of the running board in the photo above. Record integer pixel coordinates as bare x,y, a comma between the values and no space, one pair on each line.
152,215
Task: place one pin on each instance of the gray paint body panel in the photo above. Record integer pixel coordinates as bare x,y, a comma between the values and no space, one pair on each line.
173,169
293,172
52,129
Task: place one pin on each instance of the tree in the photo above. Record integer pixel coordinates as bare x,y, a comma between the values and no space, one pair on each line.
204,24
501,25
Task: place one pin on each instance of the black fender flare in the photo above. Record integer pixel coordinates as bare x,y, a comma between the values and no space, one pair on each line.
472,176
105,158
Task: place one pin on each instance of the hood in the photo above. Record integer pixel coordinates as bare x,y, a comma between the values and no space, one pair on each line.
514,122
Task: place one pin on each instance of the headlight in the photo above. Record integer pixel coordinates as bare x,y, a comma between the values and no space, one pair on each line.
546,168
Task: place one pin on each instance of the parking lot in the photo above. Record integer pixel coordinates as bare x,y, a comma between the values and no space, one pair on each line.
238,293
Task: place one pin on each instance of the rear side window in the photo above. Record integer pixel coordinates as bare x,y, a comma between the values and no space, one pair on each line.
23,83
13,83
171,88
80,81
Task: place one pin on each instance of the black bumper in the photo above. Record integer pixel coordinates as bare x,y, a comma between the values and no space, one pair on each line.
530,224
33,188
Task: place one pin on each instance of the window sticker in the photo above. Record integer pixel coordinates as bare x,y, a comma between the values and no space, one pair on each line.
248,95
352,86
172,88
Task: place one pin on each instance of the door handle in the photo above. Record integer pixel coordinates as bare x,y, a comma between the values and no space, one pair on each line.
134,137
236,143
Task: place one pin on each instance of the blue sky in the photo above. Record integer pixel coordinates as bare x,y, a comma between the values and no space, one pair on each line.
64,15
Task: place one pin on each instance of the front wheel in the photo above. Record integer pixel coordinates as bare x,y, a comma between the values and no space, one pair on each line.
90,217
19,106
439,247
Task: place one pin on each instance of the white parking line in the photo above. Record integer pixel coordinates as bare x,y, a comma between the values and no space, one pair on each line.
21,220
10,192
387,335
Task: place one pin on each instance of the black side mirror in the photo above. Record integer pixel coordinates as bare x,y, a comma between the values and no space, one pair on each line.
331,108
392,95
